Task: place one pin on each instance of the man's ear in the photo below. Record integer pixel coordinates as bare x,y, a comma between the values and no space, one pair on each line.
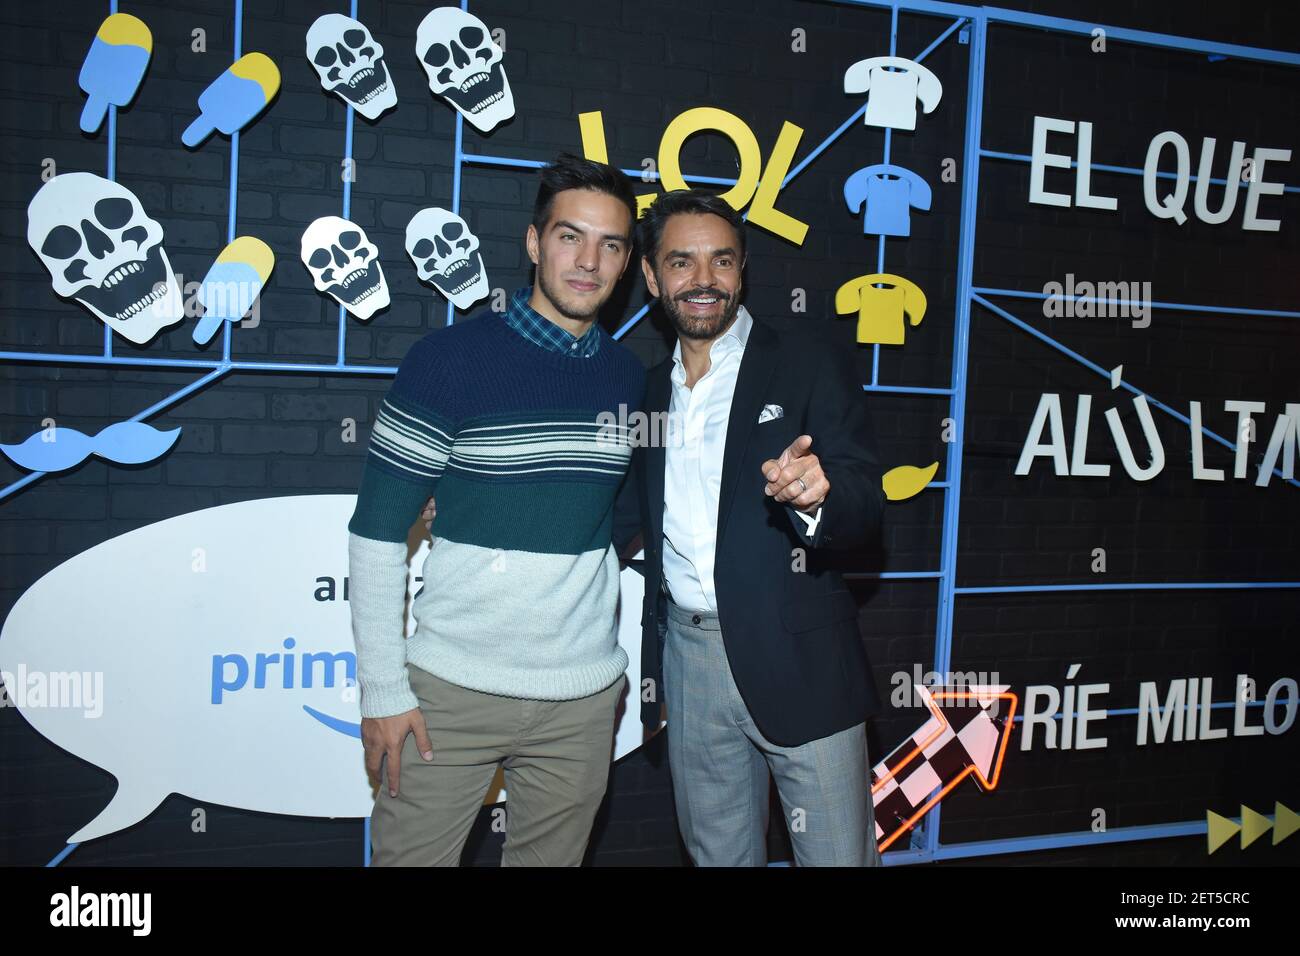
532,243
649,274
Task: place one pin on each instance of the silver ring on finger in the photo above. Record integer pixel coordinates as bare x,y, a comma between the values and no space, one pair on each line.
802,484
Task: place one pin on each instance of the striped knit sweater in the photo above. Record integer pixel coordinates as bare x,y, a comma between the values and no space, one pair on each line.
521,581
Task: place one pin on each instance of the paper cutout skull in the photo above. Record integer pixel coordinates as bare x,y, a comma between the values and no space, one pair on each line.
101,249
446,254
350,63
464,65
344,264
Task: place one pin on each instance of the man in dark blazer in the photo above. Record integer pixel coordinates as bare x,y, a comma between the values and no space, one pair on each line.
749,638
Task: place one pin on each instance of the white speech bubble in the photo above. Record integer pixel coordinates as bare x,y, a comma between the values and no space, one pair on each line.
194,609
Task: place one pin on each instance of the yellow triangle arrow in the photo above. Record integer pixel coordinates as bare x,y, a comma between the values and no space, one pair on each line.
1285,822
1219,829
1253,826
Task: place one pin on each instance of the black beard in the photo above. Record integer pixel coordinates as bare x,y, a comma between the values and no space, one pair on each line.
702,329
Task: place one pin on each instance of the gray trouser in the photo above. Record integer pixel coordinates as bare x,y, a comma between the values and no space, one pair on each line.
720,764
556,755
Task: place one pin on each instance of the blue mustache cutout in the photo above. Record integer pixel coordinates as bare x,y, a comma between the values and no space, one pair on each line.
126,443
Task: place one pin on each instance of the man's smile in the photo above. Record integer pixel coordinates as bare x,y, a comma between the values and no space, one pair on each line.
701,301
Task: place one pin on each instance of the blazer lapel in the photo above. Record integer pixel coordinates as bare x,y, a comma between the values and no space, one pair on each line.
756,367
657,395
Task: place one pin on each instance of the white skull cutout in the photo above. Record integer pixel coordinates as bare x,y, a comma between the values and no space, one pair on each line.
344,264
101,249
464,65
446,253
350,63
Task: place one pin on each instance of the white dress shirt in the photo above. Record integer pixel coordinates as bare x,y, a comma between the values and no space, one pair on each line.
693,468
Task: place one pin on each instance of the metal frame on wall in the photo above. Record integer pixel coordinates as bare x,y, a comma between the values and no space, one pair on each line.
971,25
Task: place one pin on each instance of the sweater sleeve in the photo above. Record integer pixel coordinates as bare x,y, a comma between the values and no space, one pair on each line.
409,447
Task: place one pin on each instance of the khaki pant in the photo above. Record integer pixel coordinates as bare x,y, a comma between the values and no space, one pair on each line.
556,755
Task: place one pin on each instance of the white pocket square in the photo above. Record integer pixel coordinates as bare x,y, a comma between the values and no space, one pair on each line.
770,412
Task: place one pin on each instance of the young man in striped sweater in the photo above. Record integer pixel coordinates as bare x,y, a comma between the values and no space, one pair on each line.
514,660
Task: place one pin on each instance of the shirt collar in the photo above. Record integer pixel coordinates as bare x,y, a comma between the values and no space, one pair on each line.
732,340
544,333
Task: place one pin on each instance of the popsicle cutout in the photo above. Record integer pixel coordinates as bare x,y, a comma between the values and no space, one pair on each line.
114,67
233,99
232,284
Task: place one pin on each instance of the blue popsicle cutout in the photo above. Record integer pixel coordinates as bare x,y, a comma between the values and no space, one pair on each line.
231,285
233,99
238,284
114,67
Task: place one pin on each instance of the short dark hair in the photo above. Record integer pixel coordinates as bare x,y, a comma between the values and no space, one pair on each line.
573,172
695,201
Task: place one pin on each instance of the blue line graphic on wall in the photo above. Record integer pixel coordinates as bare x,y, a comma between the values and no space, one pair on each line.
113,67
124,443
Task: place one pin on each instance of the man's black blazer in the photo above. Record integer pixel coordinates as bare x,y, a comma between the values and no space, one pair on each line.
791,634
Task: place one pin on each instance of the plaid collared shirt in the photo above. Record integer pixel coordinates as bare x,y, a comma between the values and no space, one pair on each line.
541,331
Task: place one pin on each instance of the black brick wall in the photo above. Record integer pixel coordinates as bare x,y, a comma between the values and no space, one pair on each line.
254,434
